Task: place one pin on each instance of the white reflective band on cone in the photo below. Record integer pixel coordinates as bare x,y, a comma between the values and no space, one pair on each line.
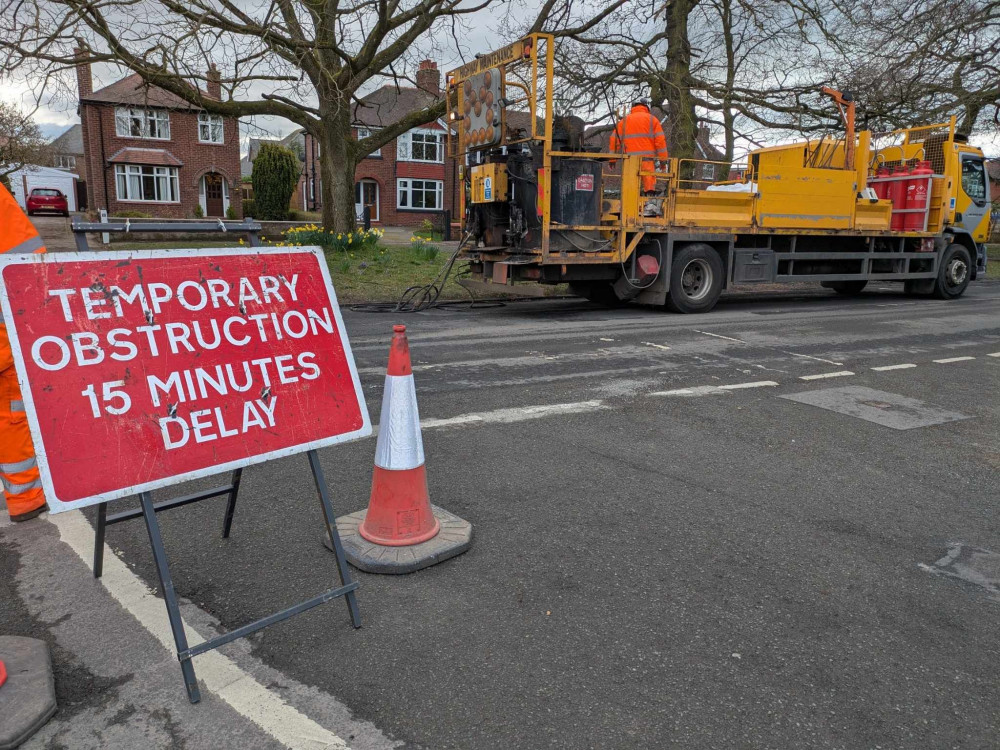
400,446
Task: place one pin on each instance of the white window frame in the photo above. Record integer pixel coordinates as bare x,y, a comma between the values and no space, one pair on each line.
65,161
138,122
404,145
405,190
364,133
210,121
130,183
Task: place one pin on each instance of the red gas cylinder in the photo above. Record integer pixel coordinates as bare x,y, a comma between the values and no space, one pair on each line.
917,197
881,188
897,194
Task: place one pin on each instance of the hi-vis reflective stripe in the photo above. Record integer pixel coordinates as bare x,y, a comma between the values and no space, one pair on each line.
399,444
17,405
20,489
28,246
28,463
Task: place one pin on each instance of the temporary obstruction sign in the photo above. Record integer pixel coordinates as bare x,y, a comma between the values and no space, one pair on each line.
142,369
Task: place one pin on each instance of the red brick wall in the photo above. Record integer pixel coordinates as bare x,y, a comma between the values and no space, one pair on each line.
385,169
100,143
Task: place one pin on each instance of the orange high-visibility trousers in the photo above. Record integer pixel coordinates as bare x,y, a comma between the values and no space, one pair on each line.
22,486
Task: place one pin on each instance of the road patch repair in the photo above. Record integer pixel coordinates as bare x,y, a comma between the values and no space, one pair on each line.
27,688
401,531
883,408
963,562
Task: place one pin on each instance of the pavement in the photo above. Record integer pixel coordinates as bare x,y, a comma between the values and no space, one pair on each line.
771,526
56,231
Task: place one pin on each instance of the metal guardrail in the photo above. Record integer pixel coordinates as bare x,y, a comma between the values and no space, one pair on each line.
80,228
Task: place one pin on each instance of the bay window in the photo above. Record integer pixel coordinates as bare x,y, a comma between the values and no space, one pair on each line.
421,145
141,183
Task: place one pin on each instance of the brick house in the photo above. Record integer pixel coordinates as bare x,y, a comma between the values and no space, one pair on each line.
148,150
409,179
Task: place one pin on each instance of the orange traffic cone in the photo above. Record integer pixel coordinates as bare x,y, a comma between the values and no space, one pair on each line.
399,511
401,531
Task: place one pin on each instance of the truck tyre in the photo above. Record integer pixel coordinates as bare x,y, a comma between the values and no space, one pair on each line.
696,277
846,288
955,272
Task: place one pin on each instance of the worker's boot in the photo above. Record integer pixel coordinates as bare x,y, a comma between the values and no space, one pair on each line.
17,518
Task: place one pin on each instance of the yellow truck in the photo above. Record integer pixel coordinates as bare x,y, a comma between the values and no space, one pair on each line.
542,206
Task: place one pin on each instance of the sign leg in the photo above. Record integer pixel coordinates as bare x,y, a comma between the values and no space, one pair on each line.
227,524
102,524
167,587
331,529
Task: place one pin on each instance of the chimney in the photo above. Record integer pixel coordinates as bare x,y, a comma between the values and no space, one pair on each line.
428,77
214,85
84,81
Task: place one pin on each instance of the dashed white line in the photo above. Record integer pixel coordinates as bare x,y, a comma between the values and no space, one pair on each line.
658,346
518,414
994,354
715,335
705,390
219,673
886,368
949,360
754,384
823,375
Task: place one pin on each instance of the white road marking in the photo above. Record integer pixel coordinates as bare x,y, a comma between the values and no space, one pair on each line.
604,339
658,346
218,673
754,384
821,376
886,368
518,414
705,390
994,354
715,335
818,359
949,360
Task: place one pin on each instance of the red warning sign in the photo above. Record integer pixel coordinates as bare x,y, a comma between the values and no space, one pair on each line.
146,368
585,182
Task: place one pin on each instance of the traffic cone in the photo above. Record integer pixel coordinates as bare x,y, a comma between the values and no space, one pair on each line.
401,531
399,511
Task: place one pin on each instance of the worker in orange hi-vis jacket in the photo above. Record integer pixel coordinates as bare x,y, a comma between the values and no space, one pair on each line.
22,486
641,133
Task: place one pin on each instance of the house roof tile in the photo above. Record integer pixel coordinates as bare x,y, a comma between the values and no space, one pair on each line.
154,156
133,90
70,142
390,104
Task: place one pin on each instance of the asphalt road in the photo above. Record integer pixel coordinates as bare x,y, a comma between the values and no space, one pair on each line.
660,560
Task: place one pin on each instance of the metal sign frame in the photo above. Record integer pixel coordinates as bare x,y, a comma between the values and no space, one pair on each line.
148,510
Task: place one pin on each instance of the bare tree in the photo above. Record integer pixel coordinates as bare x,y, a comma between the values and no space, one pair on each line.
303,60
21,141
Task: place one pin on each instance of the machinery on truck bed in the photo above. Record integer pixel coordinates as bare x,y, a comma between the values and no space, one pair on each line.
541,206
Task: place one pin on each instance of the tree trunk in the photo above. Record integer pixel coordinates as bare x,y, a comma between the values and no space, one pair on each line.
683,120
338,161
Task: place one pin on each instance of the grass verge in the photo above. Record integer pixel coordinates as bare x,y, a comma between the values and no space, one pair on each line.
993,261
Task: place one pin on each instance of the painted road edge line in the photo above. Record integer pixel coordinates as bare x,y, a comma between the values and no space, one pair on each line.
821,376
219,673
949,360
886,368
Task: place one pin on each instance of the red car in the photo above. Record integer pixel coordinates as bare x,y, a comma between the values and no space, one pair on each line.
47,199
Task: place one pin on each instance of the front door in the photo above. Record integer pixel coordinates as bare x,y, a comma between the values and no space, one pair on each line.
976,198
213,195
366,194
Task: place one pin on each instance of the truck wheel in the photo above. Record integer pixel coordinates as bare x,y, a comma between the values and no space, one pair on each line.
696,277
954,274
846,288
